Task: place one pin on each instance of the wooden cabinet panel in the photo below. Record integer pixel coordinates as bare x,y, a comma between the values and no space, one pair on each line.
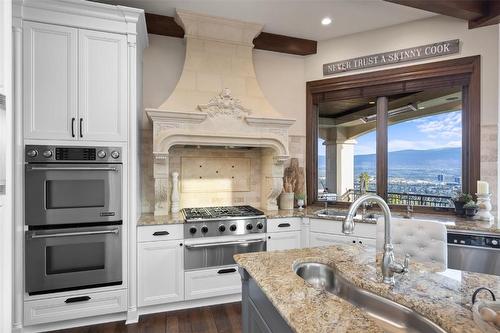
102,86
160,272
49,81
283,240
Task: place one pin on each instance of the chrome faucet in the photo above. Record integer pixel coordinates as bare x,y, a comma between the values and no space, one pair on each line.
389,264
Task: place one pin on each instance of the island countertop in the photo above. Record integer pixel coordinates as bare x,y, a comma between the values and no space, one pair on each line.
443,297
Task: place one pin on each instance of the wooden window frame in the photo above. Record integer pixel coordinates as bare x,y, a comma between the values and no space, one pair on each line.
463,72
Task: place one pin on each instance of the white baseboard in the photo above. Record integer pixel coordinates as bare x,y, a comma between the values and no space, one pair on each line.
132,316
74,323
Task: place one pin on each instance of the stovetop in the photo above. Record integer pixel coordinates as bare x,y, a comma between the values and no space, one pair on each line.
220,213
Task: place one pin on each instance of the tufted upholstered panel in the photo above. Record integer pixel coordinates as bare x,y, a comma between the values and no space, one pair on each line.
425,241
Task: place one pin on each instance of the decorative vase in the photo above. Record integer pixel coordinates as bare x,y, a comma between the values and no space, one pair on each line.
484,203
175,192
459,208
470,212
286,200
300,203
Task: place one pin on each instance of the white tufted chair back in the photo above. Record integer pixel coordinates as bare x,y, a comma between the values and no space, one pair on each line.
424,241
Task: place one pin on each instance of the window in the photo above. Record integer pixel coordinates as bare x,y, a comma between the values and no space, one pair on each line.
424,144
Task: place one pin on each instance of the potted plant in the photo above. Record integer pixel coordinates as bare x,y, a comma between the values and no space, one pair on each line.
364,179
300,197
470,208
459,200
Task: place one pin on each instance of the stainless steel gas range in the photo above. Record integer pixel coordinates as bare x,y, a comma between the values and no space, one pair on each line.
214,234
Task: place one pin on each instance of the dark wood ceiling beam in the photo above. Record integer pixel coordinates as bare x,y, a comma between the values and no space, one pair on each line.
166,26
479,13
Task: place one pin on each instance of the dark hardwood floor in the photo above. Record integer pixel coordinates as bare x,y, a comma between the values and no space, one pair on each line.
225,318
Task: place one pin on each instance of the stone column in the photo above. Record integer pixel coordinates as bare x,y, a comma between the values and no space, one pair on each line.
272,178
340,165
160,171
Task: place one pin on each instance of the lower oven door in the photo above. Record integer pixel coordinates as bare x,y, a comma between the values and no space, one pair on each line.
73,258
219,251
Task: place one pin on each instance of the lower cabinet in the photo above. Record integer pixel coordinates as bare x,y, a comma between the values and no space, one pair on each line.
283,240
212,282
72,307
322,239
160,272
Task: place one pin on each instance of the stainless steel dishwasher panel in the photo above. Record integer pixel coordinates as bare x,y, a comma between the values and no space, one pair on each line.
474,252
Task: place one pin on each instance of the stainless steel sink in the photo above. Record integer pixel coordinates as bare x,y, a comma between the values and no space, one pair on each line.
390,316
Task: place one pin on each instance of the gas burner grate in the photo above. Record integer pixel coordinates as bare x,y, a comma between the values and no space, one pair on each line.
220,212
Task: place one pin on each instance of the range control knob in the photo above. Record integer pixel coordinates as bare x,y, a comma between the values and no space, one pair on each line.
115,154
222,228
204,229
101,154
249,227
232,227
32,153
494,242
192,230
47,153
260,225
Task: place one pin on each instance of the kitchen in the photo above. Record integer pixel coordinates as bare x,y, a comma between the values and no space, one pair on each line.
148,142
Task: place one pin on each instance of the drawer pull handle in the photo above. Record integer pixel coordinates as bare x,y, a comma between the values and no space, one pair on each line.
284,225
161,233
226,271
77,299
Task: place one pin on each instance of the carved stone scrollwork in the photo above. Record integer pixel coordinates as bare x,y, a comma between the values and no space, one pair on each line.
225,104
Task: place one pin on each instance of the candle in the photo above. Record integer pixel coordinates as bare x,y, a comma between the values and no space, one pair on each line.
483,187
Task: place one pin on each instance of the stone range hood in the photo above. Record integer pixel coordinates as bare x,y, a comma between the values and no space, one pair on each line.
218,102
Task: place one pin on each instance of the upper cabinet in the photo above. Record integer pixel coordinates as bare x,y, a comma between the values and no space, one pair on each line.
50,57
102,85
75,83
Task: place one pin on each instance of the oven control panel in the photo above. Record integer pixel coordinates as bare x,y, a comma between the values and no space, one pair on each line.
68,154
232,227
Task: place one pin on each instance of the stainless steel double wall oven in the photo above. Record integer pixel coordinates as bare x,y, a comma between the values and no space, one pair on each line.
73,211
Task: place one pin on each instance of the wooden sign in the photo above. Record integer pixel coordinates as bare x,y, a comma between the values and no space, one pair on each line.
393,57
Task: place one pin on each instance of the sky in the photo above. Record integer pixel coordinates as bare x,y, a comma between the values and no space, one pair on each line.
438,131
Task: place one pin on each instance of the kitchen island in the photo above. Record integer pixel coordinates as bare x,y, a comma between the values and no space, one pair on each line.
442,297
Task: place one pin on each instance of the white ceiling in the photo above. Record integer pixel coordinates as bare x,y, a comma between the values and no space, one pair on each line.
297,18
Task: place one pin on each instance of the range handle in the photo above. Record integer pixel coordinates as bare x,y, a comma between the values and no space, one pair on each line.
71,234
59,168
237,242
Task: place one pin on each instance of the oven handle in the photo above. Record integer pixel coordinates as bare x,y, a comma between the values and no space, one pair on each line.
237,242
72,168
81,233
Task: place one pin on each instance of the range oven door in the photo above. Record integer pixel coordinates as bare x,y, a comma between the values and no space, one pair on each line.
73,258
72,193
219,251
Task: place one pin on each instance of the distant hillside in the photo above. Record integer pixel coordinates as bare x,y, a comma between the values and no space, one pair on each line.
435,158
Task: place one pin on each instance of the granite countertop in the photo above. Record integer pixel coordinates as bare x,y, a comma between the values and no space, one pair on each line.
451,221
443,297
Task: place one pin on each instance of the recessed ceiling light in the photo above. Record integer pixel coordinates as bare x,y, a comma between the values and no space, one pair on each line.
421,107
326,21
371,102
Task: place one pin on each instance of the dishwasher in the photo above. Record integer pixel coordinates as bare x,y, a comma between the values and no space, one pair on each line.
474,252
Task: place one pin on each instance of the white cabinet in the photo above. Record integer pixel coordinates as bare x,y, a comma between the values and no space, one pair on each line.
160,272
283,233
212,282
50,56
102,85
75,83
283,240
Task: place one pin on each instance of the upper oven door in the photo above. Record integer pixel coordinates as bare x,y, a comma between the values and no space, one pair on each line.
72,193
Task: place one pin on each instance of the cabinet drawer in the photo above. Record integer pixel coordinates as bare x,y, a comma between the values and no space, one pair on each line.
366,230
80,306
212,282
286,224
160,232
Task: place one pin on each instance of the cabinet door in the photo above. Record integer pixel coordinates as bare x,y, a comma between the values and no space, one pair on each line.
320,239
161,272
102,86
49,81
283,240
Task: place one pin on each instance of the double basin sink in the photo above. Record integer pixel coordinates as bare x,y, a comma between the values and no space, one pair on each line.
388,315
340,215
